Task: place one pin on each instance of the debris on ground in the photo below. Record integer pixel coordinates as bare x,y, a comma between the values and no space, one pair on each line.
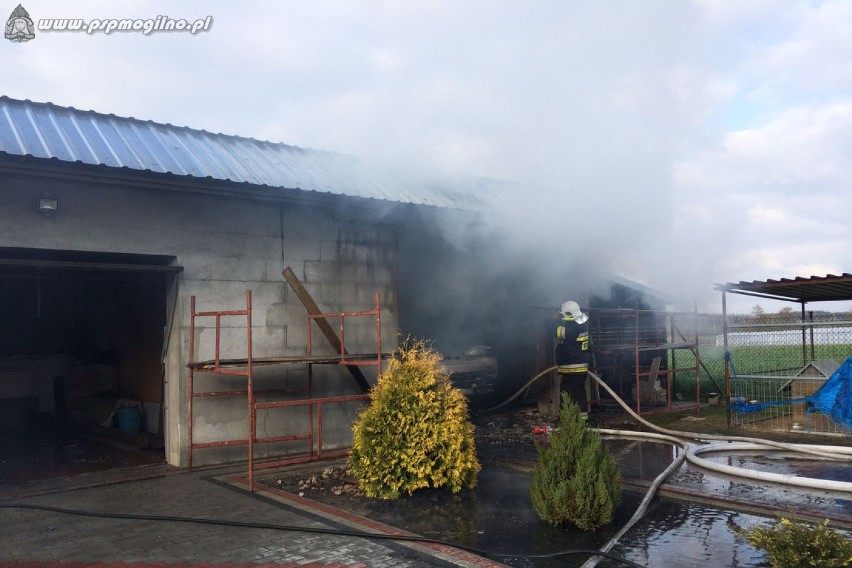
335,480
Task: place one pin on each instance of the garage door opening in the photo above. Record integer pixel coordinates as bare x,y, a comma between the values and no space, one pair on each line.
81,349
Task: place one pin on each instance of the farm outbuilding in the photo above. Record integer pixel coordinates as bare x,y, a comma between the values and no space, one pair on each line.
142,265
111,227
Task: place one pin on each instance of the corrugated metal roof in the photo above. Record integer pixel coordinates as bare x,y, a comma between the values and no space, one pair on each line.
812,289
46,130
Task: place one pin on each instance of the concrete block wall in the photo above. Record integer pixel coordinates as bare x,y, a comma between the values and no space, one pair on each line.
227,246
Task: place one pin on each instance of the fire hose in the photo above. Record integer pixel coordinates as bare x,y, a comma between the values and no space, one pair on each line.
687,441
691,454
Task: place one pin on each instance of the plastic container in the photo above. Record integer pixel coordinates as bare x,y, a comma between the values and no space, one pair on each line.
129,419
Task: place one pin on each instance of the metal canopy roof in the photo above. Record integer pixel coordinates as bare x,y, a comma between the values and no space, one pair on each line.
804,290
66,134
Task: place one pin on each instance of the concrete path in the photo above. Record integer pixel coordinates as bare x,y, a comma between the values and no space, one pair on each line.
46,538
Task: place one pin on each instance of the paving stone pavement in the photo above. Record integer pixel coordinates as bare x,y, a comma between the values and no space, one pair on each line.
46,538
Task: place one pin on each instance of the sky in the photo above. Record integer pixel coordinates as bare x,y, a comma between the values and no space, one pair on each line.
677,143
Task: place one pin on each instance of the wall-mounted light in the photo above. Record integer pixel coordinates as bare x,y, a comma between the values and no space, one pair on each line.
48,205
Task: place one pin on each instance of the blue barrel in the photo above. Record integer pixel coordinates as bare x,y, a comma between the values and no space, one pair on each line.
129,419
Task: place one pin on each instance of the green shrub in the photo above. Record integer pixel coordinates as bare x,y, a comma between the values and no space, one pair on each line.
416,431
801,545
575,480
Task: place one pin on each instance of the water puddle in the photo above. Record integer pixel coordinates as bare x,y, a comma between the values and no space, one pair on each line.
683,535
498,515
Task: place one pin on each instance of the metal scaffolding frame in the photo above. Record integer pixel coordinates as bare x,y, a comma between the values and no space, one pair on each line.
244,367
637,341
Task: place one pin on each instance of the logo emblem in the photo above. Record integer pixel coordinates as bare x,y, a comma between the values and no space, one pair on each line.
19,26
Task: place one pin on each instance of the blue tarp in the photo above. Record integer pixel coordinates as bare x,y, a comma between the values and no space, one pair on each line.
833,399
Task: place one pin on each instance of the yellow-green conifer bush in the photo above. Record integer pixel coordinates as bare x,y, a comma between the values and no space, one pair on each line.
575,480
416,432
802,545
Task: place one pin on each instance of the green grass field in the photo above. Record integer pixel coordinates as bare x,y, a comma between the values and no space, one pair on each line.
768,359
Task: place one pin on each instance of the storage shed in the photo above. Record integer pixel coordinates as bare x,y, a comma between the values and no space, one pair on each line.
110,227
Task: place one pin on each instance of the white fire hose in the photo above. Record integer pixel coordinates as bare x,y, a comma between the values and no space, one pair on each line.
692,451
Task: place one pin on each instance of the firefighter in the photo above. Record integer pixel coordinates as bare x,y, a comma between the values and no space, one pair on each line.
572,353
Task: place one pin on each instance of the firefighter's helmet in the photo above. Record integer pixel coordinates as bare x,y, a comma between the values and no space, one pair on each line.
571,309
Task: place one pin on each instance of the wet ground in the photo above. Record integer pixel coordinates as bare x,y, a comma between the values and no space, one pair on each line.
497,517
695,522
37,455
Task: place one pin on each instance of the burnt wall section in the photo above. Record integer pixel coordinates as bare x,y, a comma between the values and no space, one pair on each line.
462,287
226,245
465,284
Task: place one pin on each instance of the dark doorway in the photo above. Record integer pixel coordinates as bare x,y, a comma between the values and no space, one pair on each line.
81,340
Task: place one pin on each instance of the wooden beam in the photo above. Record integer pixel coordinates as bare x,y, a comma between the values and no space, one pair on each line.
323,324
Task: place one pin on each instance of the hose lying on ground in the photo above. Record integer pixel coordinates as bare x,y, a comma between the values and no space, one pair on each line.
830,452
691,453
652,490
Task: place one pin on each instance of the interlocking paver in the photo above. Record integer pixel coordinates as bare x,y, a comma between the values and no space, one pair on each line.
30,537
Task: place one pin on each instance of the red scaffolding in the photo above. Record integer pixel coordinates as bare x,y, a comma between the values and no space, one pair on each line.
244,367
638,349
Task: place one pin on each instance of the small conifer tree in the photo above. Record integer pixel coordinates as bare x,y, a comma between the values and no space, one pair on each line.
801,545
416,431
575,480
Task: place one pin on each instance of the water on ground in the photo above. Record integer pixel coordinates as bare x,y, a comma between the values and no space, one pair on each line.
498,517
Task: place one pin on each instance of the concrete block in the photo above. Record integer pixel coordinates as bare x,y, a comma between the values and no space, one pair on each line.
220,295
360,233
380,273
330,298
219,419
300,223
297,338
286,421
270,376
239,268
269,341
275,270
365,296
301,248
297,265
210,296
297,376
212,382
340,251
232,343
277,315
316,272
387,299
348,297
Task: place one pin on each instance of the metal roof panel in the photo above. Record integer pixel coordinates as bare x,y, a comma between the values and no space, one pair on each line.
45,130
26,133
828,288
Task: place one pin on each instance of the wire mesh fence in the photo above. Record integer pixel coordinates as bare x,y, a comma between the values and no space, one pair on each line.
775,360
702,329
652,358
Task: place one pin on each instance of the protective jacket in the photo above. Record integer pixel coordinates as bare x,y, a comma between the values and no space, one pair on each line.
572,346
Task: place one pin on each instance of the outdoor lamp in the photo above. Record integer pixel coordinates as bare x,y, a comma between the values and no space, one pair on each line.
48,205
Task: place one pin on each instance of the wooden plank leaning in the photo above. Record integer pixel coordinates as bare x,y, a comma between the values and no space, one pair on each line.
323,324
